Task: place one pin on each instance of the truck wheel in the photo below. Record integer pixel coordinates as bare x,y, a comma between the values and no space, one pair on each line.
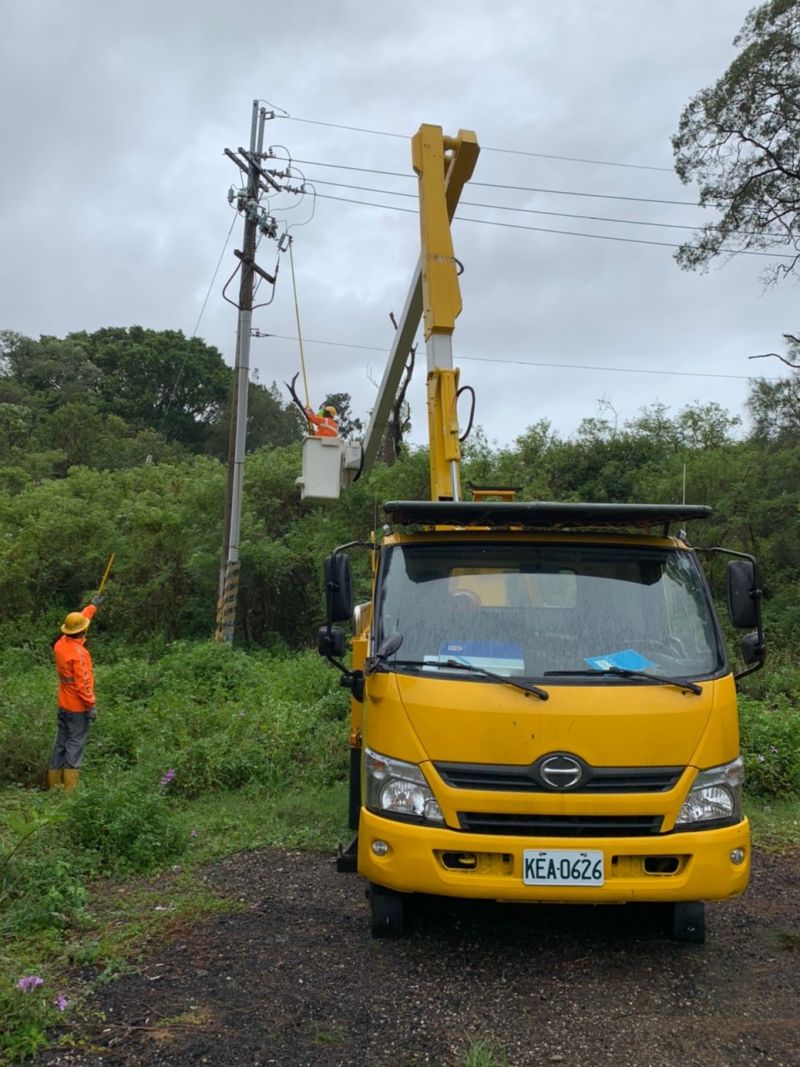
689,922
387,912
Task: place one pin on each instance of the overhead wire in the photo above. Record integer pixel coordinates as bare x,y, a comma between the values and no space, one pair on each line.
214,276
507,225
513,188
196,326
521,210
489,148
540,363
551,230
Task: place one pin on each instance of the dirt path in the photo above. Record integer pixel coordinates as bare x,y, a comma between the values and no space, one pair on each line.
295,979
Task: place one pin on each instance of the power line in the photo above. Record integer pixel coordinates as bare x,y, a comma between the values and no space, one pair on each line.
550,230
594,196
513,188
506,207
620,370
538,363
578,159
487,148
213,277
196,327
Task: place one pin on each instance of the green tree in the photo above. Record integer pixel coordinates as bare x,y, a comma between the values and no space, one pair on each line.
159,378
739,141
775,406
152,379
705,425
270,422
775,410
49,372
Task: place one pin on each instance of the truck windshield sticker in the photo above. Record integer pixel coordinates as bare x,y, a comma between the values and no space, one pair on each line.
502,657
627,660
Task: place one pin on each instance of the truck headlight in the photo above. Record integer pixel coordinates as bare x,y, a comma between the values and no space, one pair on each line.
394,787
716,795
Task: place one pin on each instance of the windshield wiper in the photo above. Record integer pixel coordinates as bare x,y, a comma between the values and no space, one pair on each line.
623,672
455,664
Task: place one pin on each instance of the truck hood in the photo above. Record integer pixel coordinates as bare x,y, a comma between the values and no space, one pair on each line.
607,724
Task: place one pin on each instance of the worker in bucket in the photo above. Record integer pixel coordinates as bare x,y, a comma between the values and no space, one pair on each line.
76,703
321,423
324,422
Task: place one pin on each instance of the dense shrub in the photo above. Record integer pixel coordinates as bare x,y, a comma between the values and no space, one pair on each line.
770,733
120,825
223,716
41,882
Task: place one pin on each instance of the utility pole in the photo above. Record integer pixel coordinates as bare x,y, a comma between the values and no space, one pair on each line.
255,220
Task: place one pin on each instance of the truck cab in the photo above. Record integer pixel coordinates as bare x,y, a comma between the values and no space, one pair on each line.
545,711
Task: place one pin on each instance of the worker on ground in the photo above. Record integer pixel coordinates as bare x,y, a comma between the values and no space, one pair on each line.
324,422
76,703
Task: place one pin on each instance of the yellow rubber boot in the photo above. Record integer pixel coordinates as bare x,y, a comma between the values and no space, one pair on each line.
55,779
70,778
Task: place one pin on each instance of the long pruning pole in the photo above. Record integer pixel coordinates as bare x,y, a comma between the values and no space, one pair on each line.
106,572
299,332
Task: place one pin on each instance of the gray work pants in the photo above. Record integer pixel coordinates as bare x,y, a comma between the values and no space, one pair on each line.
73,729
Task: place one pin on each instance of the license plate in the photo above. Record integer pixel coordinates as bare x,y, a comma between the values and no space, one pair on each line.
562,867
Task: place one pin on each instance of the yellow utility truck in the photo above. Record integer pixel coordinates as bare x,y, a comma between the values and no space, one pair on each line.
543,706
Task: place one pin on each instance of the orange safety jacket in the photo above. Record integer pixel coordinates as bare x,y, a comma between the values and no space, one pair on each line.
323,425
74,667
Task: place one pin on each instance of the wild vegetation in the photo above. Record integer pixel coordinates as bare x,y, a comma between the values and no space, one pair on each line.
201,749
737,140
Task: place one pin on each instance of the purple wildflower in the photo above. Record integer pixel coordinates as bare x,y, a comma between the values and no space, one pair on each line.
29,983
61,1002
193,833
168,776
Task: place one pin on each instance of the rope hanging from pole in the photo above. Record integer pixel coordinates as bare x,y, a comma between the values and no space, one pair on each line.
297,316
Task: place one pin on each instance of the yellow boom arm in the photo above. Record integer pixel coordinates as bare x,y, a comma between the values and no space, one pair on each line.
443,166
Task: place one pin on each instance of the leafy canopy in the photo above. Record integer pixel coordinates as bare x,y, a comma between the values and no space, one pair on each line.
740,140
113,397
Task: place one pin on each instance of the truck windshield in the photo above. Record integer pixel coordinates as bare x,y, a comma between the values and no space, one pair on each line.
530,609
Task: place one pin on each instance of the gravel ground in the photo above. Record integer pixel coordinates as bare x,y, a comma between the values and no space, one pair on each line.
291,976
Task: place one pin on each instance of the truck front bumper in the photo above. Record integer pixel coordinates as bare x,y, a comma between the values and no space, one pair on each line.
696,865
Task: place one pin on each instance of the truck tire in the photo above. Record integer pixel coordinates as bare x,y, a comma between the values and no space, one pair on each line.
386,906
689,922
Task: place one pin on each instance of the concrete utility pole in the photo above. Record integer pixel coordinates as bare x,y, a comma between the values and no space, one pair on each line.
255,220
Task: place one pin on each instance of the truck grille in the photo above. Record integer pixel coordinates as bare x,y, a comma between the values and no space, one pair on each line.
559,825
502,778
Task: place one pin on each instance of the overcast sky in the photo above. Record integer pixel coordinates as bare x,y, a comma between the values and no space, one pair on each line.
114,118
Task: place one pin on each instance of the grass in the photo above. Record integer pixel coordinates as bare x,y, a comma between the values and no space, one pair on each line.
252,818
120,916
201,753
483,1054
775,824
204,752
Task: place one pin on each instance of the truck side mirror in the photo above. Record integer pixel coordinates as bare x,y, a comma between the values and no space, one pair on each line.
330,642
752,649
743,595
338,587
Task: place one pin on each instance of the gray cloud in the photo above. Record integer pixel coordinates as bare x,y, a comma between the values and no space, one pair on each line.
114,208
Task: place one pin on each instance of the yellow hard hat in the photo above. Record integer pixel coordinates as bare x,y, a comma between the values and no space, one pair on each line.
330,411
75,623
